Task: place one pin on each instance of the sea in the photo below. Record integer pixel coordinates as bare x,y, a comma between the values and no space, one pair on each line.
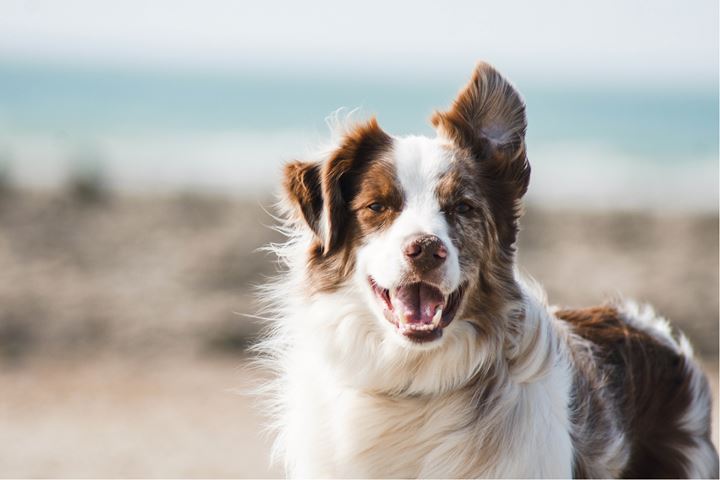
591,145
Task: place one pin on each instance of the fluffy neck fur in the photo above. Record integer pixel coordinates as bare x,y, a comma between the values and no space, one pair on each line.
349,402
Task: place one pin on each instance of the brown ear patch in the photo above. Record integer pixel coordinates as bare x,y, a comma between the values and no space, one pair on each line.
487,116
301,181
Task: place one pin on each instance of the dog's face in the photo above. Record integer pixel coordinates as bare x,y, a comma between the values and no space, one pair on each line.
421,225
423,228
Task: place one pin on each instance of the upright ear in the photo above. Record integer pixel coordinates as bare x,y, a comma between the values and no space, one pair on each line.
322,192
488,118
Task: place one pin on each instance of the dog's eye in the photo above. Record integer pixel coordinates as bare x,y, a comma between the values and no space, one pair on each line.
377,207
462,208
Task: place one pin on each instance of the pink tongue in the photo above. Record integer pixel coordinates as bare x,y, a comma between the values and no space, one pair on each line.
417,303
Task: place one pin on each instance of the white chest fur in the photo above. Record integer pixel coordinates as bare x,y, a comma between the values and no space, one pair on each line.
336,431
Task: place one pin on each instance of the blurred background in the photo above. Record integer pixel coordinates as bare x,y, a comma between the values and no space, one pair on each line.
141,142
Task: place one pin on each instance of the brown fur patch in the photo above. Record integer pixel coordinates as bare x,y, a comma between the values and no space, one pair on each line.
378,184
335,187
487,116
301,181
341,176
649,387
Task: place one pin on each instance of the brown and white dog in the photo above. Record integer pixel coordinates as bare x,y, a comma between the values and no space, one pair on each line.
407,345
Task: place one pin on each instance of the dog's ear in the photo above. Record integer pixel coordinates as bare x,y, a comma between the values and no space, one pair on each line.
488,118
322,193
341,173
301,181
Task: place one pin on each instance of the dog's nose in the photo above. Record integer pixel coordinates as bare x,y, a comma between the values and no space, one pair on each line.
425,252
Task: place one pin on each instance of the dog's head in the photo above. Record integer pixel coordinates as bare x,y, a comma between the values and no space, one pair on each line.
424,228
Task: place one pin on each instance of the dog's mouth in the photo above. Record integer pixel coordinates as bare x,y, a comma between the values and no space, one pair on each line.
419,311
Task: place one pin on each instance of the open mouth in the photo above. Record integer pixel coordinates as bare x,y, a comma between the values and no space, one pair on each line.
419,311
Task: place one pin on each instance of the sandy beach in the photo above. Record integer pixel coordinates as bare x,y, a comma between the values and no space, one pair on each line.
123,335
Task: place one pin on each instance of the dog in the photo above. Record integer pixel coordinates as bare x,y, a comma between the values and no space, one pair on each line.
406,344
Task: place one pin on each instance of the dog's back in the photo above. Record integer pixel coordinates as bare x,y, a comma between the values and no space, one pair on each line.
661,399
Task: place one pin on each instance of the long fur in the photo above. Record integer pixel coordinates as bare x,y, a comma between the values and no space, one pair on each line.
513,387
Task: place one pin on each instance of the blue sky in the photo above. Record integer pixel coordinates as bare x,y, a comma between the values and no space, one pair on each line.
607,41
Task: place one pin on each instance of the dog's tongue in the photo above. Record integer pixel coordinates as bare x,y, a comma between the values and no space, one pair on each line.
416,303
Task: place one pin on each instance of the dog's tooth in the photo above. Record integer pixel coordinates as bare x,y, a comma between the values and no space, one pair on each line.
438,315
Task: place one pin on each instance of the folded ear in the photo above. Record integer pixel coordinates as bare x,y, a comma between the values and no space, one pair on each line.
488,118
322,193
302,187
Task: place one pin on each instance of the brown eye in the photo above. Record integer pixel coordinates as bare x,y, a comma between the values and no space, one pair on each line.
377,207
462,208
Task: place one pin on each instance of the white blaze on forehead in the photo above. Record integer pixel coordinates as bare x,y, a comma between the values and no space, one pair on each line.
420,162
